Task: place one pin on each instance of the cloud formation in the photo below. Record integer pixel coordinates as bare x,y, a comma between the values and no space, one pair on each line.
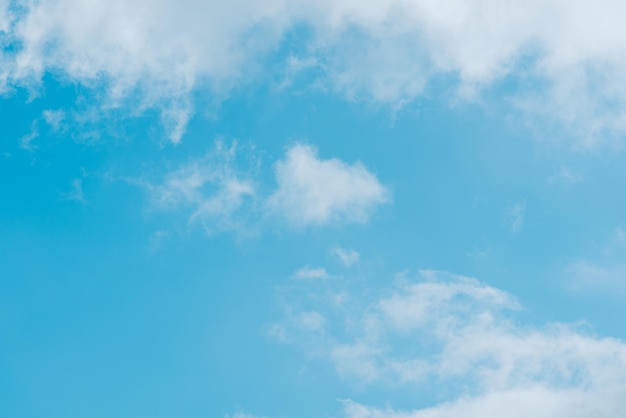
603,272
348,257
568,56
308,272
515,216
223,194
456,335
312,191
212,189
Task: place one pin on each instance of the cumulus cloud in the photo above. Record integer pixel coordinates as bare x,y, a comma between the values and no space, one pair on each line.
463,340
223,192
567,56
313,191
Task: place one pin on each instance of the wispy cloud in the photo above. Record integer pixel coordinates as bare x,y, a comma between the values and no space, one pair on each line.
514,216
54,118
596,275
346,256
567,176
309,272
241,414
460,337
602,271
76,193
26,141
212,190
519,403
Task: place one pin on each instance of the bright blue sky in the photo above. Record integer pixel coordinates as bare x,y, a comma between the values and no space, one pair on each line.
312,209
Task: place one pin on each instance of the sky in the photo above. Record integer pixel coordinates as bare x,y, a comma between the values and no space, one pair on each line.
334,209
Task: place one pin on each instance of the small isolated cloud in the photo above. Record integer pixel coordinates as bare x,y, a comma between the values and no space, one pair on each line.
593,275
312,191
308,272
567,176
26,142
603,272
157,240
211,189
243,415
514,216
461,341
346,256
54,119
76,193
619,236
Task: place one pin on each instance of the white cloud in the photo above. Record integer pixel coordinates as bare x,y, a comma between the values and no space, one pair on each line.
222,192
459,339
536,402
312,191
515,216
244,415
567,56
595,275
566,175
348,257
157,240
212,189
26,141
5,18
54,118
308,272
76,194
602,272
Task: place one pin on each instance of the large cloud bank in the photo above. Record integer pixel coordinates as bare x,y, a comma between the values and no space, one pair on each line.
566,57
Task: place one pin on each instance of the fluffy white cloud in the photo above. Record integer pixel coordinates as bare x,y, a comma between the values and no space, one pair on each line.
459,337
567,55
316,191
223,191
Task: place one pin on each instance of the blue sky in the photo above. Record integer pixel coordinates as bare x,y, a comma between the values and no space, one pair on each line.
400,209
